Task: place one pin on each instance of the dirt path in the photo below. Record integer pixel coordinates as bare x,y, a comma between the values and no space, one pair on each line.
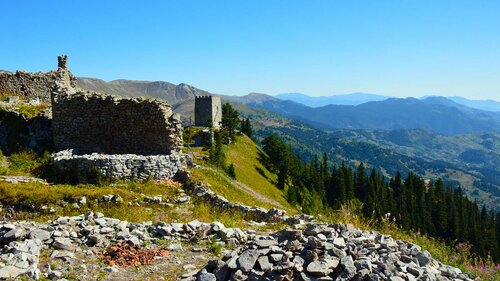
245,188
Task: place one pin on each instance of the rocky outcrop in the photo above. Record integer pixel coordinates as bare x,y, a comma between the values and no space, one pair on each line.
328,252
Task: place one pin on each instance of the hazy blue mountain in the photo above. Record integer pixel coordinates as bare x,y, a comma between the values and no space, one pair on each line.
436,114
450,103
347,99
489,105
284,107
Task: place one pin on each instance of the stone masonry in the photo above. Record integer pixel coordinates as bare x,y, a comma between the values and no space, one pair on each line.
82,168
91,122
35,86
206,109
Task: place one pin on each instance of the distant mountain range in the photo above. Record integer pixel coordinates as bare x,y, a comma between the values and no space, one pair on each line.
360,98
348,99
180,97
172,93
489,105
437,114
472,160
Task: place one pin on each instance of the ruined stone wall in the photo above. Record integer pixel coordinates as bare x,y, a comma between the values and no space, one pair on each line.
28,85
91,122
39,85
88,167
208,108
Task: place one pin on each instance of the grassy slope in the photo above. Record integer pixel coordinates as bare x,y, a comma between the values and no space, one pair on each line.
58,197
244,154
262,192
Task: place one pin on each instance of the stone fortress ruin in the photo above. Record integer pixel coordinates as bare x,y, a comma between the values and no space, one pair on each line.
36,86
208,111
99,135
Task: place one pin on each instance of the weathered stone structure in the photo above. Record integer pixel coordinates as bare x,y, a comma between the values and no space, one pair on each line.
117,138
91,122
83,168
208,109
39,85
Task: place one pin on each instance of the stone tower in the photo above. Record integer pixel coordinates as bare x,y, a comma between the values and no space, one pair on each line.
207,108
62,62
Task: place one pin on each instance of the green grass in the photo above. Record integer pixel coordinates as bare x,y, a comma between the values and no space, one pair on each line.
53,195
30,164
27,163
30,111
244,155
60,196
222,185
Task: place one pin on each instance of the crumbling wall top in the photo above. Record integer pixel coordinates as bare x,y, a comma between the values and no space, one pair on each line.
39,85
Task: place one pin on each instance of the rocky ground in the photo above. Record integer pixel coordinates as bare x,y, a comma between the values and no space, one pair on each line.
86,247
94,247
327,252
75,247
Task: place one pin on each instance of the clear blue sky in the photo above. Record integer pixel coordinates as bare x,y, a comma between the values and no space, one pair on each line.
399,48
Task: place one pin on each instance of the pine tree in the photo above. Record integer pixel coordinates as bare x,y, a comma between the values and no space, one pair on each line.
349,182
231,172
439,212
324,174
497,232
247,128
332,187
216,153
230,120
360,186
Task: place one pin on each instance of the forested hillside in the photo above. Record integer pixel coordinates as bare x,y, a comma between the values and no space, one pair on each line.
428,207
408,151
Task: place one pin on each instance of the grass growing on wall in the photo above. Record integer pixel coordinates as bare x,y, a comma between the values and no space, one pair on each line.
30,111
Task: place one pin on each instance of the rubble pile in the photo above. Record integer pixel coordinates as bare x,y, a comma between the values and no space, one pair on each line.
327,252
21,242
